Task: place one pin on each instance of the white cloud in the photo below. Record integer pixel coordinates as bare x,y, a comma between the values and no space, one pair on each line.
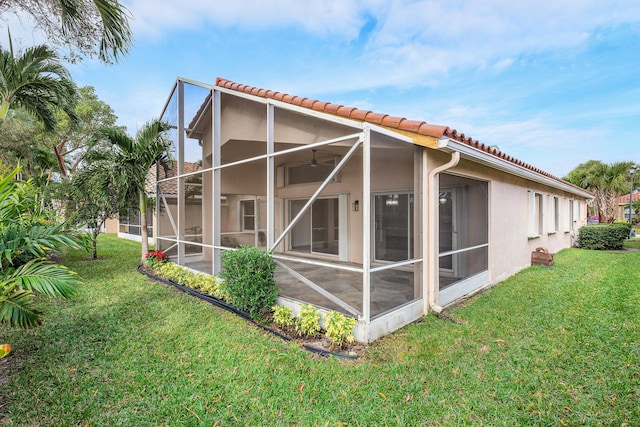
334,17
461,34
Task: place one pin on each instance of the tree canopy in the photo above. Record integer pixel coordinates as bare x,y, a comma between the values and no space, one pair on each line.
605,181
84,27
71,140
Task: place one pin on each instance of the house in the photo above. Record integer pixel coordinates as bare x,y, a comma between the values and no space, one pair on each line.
622,206
129,227
378,217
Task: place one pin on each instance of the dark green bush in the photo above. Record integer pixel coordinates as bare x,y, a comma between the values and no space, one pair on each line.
249,281
603,236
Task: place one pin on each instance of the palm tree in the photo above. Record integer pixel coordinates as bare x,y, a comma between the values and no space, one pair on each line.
37,82
131,163
27,236
80,24
605,181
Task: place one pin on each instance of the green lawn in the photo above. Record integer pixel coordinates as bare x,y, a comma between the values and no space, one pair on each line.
550,346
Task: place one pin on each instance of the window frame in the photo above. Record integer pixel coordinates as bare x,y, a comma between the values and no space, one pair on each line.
536,217
243,216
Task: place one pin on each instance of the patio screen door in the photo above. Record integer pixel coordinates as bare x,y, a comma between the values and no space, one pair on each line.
393,218
449,234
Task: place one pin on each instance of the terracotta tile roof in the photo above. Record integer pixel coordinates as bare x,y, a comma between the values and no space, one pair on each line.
169,187
400,123
624,200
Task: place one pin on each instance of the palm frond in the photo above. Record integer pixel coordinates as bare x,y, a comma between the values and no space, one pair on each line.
17,309
37,81
39,275
116,33
117,137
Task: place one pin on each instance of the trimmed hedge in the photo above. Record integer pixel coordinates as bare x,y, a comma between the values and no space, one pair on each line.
249,280
603,236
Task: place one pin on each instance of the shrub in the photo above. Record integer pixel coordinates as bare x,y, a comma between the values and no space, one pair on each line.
283,316
175,273
603,237
204,283
339,328
308,321
249,281
215,288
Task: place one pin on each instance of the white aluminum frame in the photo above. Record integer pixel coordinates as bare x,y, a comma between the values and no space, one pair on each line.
361,140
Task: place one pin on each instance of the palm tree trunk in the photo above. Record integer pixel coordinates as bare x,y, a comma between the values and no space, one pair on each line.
94,242
144,234
57,151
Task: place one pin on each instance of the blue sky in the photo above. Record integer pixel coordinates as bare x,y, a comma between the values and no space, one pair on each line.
551,83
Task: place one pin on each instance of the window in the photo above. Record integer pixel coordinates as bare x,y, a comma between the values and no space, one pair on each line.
248,215
576,214
536,215
131,224
568,216
554,214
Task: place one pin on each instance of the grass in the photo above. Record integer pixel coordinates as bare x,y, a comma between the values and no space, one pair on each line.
549,346
633,243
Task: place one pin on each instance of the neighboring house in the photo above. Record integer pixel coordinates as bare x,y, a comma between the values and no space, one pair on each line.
379,217
130,228
622,209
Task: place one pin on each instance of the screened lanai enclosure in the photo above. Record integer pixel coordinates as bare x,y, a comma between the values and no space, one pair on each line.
339,204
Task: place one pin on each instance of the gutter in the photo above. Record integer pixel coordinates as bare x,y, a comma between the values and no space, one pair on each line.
478,156
429,222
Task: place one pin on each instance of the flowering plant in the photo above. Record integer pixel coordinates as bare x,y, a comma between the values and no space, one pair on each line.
156,257
4,350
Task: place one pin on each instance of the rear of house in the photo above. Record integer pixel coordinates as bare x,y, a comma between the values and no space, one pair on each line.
378,217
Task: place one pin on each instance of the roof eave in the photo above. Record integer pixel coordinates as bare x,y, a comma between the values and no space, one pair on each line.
478,156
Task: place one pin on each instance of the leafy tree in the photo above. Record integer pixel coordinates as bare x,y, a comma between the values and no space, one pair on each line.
70,140
605,181
96,27
37,82
126,166
28,235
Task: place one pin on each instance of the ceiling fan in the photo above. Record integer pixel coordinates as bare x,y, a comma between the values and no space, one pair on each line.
314,163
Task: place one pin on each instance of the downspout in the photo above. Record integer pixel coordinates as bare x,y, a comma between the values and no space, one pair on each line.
431,218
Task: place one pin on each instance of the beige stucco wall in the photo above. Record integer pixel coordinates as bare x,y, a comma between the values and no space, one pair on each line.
510,246
111,225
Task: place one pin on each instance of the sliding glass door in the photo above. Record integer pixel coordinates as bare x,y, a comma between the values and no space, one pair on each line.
318,231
